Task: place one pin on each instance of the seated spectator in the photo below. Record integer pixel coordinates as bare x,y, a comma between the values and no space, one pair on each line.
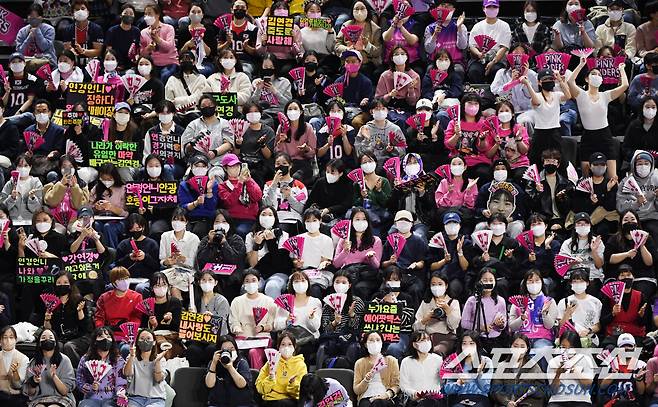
145,372
22,195
569,34
199,200
14,375
515,143
36,40
428,140
184,86
517,96
85,37
257,143
298,141
229,378
641,133
391,296
315,80
475,388
175,167
419,370
281,387
67,71
44,158
600,204
271,89
317,252
240,194
374,194
18,93
150,95
457,193
615,388
357,88
542,255
319,40
438,316
449,37
643,172
570,361
451,259
532,32
331,194
580,309
403,31
376,388
645,38
628,315
314,390
201,46
369,45
617,33
243,34
644,85
230,67
157,40
285,193
401,101
380,135
166,314
117,306
66,195
122,36
178,249
587,248
108,198
81,135
339,144
487,61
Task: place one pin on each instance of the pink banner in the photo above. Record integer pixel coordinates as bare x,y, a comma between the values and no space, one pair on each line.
10,23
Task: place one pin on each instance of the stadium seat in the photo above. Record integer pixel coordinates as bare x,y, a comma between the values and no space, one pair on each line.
343,376
254,375
190,387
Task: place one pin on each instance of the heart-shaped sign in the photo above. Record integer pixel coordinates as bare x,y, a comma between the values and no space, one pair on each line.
108,88
43,245
206,318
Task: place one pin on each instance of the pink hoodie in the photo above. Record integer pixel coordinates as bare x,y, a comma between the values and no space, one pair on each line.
446,199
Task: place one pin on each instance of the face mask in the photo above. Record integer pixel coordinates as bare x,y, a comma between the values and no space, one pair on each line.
300,287
149,20
267,72
548,85
42,118
81,15
438,290
24,171
369,167
62,290
412,169
207,287
313,227
64,67
550,168
227,63
530,16
122,285
457,170
287,351
103,344
374,348
253,117
471,109
43,227
196,18
628,282
488,286
127,20
34,22
643,170
145,346
331,178
469,349
122,118
294,114
403,226
615,15
136,234
110,65
578,288
380,114
452,228
239,14
341,288
649,112
352,68
595,80
107,184
533,288
491,12
208,111
314,15
424,346
281,12
394,284
338,114
187,67
48,345
251,288
572,7
598,170
360,225
223,226
144,69
178,225
628,227
199,171
266,221
443,65
538,230
160,291
17,67
498,229
166,118
583,230
399,59
505,117
500,175
360,15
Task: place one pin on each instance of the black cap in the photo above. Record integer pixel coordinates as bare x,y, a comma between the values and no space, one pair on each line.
199,158
544,73
619,3
597,158
582,216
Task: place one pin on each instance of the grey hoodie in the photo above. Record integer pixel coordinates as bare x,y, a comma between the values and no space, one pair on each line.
648,184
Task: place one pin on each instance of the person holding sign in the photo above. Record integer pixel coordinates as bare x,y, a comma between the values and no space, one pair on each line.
278,382
631,312
376,376
178,249
593,109
67,71
288,39
229,376
320,40
145,372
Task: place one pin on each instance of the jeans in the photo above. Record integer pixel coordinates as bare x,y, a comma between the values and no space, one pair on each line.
96,403
275,285
111,231
568,117
167,71
653,402
243,227
398,350
139,401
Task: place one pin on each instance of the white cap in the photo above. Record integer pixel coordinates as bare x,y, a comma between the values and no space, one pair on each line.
426,103
625,339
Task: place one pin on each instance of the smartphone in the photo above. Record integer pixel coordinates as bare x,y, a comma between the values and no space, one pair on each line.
267,79
244,168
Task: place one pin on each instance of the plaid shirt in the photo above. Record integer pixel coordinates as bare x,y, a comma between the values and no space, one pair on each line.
541,41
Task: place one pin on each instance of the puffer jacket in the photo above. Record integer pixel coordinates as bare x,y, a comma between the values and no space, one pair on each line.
648,185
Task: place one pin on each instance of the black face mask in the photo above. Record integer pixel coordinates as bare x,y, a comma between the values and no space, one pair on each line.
550,168
187,66
267,72
48,345
628,227
208,111
136,234
283,168
145,346
239,14
489,286
548,85
61,290
128,20
311,66
103,344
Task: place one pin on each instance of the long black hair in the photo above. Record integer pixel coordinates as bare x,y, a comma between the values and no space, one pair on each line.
301,128
368,238
312,389
56,359
107,169
443,276
475,336
575,238
415,337
74,295
619,236
523,290
92,353
349,294
494,292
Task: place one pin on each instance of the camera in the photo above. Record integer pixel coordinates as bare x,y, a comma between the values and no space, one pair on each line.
225,357
438,313
479,288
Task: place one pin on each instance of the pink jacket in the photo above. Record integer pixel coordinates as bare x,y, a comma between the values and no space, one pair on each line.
343,258
230,199
409,93
446,199
166,53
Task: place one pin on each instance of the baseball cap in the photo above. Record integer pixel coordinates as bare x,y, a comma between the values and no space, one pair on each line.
625,339
424,103
403,214
85,211
597,158
199,158
619,3
230,159
351,53
544,73
122,105
490,3
17,55
581,216
451,217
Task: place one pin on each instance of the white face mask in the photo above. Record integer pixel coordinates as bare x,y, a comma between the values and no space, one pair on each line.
643,170
399,59
294,114
530,16
341,288
579,288
538,230
154,172
423,346
442,65
500,175
81,15
160,291
331,178
300,287
253,117
207,287
64,67
68,171
122,118
438,290
338,114
649,112
43,227
412,169
251,288
583,230
403,226
110,65
107,184
615,15
380,114
374,348
533,288
42,118
287,351
144,69
17,67
360,225
266,221
312,227
369,167
24,171
178,225
595,80
572,7
452,228
166,118
199,171
360,15
505,117
393,284
227,63
469,349
457,170
498,229
149,20
223,226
